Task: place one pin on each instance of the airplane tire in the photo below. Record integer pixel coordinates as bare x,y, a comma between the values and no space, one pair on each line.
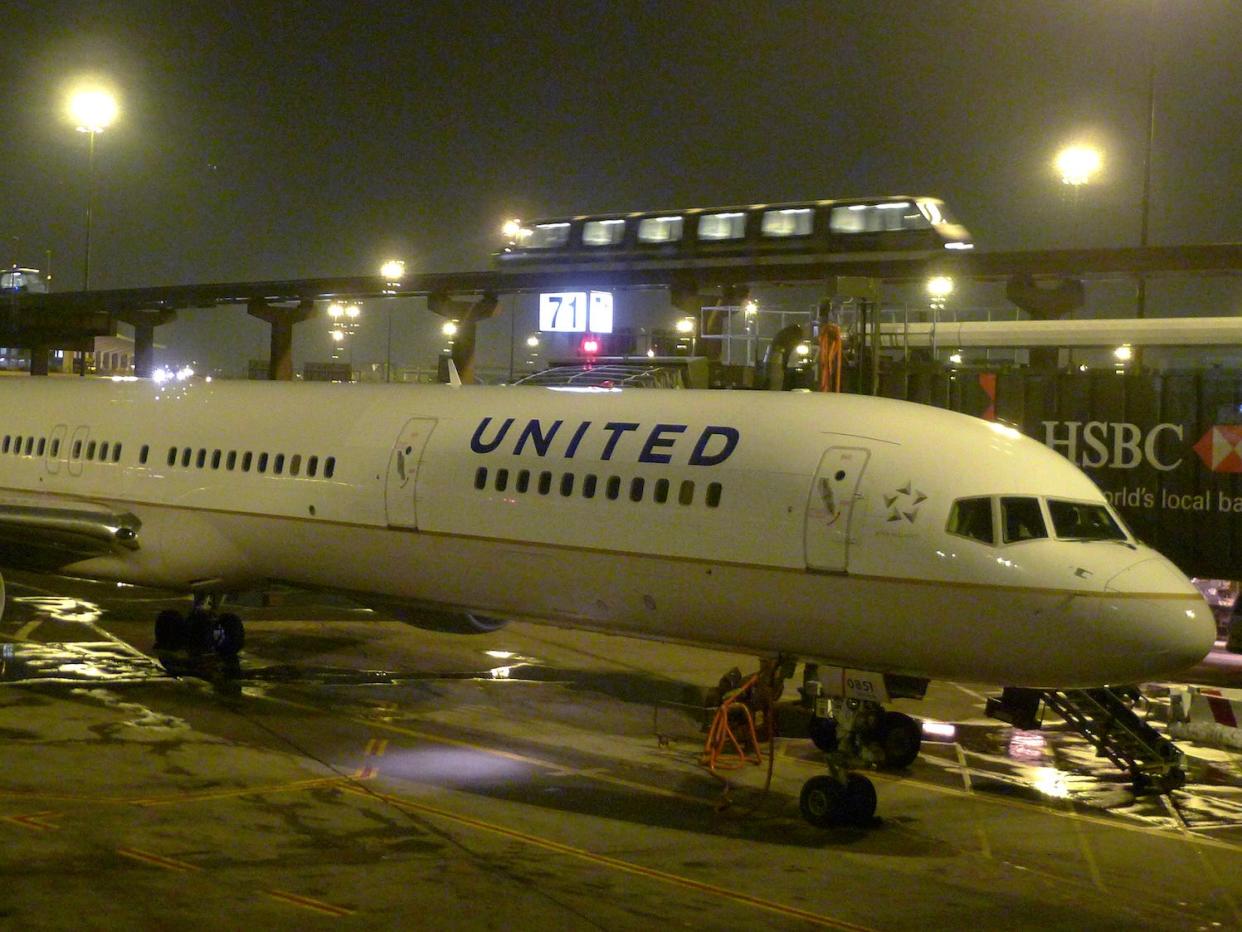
823,802
901,738
171,630
200,637
859,800
230,635
823,733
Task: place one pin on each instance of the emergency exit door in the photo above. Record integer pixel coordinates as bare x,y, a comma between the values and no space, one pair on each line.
400,491
830,511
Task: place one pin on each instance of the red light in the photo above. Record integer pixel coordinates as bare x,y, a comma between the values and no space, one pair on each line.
590,346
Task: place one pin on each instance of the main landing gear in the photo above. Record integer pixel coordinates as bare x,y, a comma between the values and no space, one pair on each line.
852,731
204,629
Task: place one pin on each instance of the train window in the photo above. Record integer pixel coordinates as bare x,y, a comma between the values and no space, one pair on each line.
794,221
603,232
312,466
685,495
636,488
545,482
659,229
502,479
480,478
247,457
588,486
215,459
613,488
877,218
230,461
295,464
329,467
1083,521
547,236
1021,519
713,495
567,484
262,464
523,480
972,517
661,491
278,465
728,225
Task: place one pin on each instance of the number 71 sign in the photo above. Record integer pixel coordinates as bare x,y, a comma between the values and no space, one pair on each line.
576,312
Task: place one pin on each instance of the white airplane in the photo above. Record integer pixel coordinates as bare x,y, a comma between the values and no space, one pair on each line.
884,543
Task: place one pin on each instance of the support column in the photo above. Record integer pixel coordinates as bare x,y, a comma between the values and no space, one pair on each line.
39,360
1045,302
466,315
144,324
281,320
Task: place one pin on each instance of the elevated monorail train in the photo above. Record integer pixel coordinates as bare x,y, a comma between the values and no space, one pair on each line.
875,224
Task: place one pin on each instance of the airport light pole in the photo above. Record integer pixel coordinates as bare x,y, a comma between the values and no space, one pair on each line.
392,271
92,110
1145,209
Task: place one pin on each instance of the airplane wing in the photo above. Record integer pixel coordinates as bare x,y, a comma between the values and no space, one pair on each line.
34,529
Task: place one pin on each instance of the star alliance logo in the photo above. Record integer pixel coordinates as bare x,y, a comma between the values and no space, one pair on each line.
903,504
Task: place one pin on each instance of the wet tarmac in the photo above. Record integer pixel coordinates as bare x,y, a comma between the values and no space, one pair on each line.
352,772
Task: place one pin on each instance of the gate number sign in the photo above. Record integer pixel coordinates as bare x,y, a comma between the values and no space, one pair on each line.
576,312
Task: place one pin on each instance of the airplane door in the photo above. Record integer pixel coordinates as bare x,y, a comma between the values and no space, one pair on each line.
399,490
830,510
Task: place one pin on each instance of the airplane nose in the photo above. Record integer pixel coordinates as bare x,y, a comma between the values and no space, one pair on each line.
1158,617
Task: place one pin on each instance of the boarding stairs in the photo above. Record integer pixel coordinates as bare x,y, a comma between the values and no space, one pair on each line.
1106,718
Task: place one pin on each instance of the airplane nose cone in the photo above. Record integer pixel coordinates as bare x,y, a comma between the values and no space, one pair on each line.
1156,617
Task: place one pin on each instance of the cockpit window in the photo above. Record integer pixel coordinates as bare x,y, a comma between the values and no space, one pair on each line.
1083,521
972,517
1021,519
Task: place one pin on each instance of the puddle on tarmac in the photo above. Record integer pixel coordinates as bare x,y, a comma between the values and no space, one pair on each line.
80,661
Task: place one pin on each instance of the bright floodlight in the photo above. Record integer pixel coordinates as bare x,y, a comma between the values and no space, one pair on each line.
532,341
92,110
352,310
685,325
393,270
335,310
512,228
941,286
450,328
1124,353
338,335
1076,164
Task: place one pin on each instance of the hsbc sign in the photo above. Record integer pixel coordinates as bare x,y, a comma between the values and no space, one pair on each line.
1221,448
1116,444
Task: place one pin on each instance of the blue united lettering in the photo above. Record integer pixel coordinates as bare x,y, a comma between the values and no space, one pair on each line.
610,441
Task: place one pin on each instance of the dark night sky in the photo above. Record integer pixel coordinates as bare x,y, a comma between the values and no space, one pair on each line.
270,140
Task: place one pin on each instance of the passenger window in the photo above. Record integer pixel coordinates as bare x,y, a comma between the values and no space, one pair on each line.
116,453
502,479
295,464
29,445
613,488
90,450
661,491
186,453
567,484
77,449
103,452
787,222
172,456
42,445
230,461
312,466
480,478
713,494
547,236
603,232
659,229
7,440
730,225
523,480
545,482
215,459
201,460
262,466
55,447
143,454
588,486
329,467
972,517
278,467
247,458
685,496
636,488
1022,519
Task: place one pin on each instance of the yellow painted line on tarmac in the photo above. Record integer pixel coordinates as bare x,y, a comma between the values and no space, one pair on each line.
542,763
136,854
173,799
24,632
36,820
305,902
628,867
